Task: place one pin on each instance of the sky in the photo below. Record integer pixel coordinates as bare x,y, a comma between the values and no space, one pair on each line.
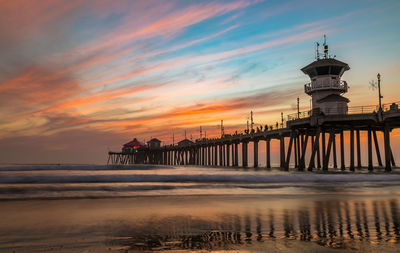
81,77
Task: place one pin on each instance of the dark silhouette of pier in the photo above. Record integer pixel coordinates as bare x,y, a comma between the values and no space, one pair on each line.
311,135
315,134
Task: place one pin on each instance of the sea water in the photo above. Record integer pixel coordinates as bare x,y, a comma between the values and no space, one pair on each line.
83,208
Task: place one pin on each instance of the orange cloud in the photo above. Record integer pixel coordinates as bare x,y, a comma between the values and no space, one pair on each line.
99,97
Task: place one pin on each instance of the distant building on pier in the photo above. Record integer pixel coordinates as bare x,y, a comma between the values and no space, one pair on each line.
132,146
154,143
185,142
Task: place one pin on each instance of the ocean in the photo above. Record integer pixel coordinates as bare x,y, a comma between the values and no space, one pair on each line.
98,208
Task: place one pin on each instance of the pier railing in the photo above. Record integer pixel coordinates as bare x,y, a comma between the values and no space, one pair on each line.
363,109
299,115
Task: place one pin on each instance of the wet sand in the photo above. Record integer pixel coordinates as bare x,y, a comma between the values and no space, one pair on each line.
218,223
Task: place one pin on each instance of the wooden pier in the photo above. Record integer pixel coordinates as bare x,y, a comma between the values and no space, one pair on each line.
305,136
311,135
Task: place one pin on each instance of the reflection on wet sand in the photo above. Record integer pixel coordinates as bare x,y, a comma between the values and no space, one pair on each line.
332,223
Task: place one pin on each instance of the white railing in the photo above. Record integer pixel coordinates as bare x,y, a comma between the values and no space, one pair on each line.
326,84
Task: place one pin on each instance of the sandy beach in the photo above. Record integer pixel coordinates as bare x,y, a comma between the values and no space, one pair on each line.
201,224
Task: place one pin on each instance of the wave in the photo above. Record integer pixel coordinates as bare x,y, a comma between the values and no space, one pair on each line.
222,177
81,167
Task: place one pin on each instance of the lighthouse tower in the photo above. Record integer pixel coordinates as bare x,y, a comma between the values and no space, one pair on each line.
326,87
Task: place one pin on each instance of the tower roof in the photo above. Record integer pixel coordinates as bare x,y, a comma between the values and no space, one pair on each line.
133,143
155,140
185,142
325,62
333,98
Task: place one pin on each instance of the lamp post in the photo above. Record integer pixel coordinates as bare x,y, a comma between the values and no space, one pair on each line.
298,108
379,89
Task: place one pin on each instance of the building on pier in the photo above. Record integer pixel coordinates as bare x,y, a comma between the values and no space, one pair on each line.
326,87
154,143
132,146
185,143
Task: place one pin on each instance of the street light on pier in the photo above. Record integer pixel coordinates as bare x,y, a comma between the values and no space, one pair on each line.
379,90
298,107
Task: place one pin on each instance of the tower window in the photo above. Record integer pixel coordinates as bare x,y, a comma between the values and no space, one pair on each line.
311,72
323,70
335,70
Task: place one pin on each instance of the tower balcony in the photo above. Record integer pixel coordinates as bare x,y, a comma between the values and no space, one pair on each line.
326,84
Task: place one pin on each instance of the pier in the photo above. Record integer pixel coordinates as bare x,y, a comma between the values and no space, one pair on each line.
308,140
309,136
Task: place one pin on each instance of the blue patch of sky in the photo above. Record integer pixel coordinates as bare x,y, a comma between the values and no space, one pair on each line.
87,27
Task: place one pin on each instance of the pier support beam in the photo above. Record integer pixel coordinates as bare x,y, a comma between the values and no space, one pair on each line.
244,154
227,155
314,150
221,160
391,155
328,150
296,164
268,152
233,154
323,147
215,155
255,153
370,166
282,151
352,149
292,136
200,156
334,152
388,155
342,165
191,156
302,163
312,161
209,155
298,152
318,154
358,150
236,154
378,153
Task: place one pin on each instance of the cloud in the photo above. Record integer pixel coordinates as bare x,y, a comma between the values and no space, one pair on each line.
107,95
174,22
138,68
35,88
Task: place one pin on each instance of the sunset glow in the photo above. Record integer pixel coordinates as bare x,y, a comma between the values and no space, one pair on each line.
91,75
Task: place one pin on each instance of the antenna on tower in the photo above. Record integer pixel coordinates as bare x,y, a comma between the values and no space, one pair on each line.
252,122
185,134
222,128
325,48
201,133
173,139
316,50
